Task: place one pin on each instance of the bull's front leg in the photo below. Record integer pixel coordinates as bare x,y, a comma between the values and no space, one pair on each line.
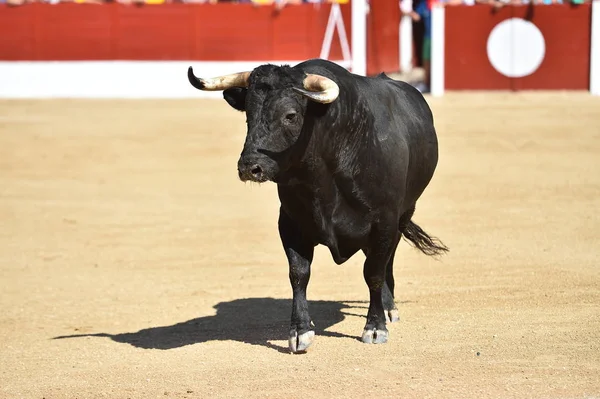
299,252
382,249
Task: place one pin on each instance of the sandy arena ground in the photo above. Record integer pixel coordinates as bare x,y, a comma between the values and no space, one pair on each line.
135,264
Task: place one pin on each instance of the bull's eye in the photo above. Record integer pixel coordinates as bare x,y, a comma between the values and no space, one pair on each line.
290,116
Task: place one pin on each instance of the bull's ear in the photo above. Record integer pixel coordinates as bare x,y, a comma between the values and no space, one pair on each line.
236,97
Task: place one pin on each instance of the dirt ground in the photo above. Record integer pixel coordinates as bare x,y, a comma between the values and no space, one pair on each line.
135,264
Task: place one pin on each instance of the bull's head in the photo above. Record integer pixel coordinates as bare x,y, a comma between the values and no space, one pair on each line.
275,100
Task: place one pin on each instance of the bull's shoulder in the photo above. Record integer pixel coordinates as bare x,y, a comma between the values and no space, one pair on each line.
397,85
406,96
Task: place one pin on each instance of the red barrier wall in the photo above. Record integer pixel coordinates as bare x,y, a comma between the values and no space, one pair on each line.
222,32
566,64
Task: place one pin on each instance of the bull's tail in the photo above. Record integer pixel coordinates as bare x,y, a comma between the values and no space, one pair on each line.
430,246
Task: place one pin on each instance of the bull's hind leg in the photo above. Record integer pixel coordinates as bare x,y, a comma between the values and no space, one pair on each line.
299,252
379,256
387,293
389,305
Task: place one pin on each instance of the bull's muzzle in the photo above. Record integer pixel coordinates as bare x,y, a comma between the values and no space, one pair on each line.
251,170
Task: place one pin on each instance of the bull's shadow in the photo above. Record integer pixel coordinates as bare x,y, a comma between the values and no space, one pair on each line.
254,321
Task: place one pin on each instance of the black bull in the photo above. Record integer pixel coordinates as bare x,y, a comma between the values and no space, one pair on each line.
351,156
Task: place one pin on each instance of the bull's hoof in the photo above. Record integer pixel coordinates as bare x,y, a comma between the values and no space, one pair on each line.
374,336
300,343
392,316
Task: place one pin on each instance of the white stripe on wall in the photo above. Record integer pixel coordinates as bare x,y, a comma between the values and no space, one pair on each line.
438,19
359,37
114,79
595,50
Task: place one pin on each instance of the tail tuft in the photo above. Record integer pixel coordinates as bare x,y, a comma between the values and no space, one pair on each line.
430,246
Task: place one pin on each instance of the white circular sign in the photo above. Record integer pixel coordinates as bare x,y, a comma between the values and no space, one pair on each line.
516,48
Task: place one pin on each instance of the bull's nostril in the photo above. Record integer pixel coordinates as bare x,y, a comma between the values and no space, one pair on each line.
256,170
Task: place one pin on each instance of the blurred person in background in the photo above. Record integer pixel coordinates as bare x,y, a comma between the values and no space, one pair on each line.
16,2
547,2
420,13
460,2
282,3
195,1
502,3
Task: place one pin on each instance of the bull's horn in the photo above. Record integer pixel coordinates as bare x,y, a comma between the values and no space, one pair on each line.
219,83
319,88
